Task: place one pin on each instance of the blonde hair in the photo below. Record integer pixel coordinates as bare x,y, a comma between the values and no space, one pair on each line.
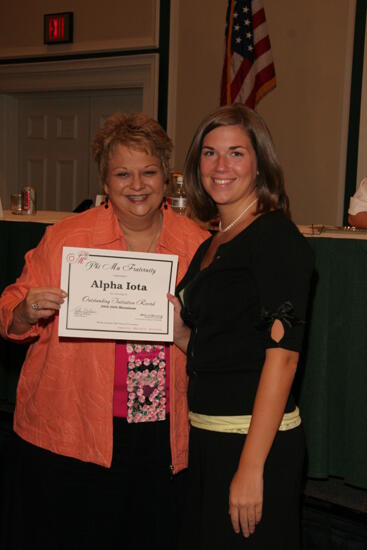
135,130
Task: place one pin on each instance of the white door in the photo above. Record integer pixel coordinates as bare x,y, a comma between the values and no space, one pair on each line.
55,135
53,148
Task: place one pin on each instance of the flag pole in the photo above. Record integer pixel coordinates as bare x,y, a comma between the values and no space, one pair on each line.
229,54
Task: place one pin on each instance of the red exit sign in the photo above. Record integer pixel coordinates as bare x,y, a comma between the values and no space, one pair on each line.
58,28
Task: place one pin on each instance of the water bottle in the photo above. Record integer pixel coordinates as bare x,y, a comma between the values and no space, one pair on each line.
178,197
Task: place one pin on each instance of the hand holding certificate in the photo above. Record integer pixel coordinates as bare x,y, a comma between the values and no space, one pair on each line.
117,295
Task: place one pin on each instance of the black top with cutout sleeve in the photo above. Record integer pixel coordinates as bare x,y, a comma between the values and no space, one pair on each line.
262,274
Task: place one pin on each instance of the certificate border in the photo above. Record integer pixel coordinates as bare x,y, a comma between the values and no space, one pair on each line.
161,332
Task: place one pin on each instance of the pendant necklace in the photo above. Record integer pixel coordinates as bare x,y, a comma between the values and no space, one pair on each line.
155,236
236,220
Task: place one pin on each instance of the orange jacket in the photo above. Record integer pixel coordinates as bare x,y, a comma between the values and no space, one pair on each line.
65,389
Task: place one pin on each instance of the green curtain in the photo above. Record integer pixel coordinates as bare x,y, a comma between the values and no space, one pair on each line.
333,388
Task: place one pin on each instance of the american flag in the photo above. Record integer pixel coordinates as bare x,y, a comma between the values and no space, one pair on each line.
248,71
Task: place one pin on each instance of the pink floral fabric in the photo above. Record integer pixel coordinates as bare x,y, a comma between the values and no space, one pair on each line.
146,382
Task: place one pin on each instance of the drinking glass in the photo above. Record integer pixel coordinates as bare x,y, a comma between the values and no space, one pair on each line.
16,203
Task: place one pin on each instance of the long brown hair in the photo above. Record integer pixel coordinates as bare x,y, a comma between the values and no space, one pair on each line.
269,182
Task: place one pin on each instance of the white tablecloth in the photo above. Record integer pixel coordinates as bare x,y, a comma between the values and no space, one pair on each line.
42,216
332,232
314,230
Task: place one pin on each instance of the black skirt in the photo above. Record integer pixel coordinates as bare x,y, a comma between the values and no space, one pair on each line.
213,461
60,503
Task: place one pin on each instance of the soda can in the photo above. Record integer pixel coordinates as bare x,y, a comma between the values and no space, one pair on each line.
29,200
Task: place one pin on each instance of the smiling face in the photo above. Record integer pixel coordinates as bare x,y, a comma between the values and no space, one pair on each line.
228,168
135,184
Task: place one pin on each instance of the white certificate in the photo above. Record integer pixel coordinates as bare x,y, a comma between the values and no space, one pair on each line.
117,295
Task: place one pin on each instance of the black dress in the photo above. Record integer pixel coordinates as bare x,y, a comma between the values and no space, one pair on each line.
262,274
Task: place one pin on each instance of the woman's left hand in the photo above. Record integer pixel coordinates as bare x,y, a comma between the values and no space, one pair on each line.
181,331
246,500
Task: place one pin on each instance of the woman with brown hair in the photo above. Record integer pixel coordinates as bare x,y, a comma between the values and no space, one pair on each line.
101,425
243,303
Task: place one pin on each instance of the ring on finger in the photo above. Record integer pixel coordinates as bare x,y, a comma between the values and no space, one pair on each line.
35,306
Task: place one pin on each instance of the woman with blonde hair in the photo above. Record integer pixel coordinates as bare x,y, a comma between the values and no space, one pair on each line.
102,425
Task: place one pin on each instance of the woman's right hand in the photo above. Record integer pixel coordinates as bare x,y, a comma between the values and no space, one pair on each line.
181,331
246,500
39,303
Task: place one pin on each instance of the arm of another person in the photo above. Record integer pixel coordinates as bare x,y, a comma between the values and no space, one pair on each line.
358,220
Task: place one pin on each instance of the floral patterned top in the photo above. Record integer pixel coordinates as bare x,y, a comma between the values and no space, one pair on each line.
141,389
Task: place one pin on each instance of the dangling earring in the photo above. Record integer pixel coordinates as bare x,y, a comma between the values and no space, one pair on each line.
165,203
106,202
